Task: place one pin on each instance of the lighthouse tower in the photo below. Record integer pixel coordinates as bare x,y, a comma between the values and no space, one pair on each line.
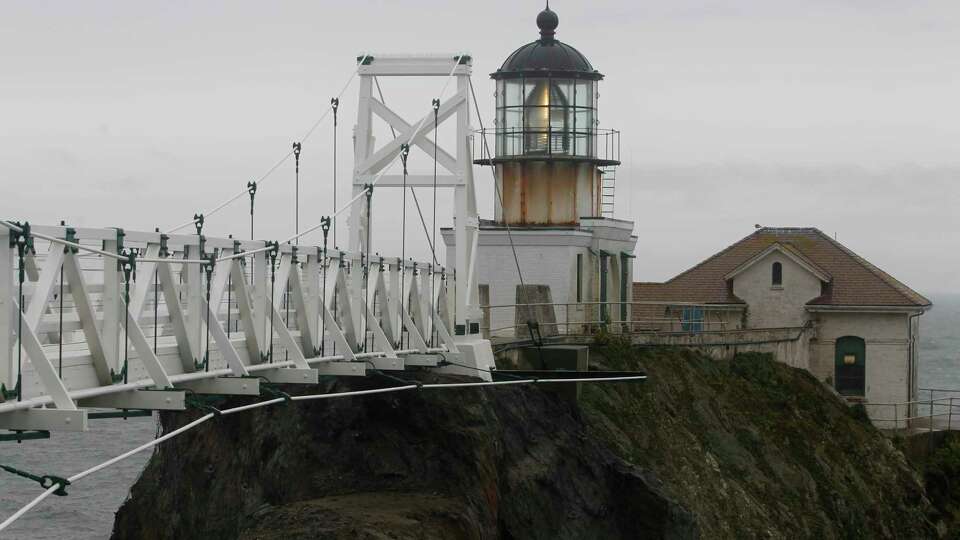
555,188
550,155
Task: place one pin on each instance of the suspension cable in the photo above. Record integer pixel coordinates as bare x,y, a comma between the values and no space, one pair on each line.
334,105
366,270
433,229
282,160
379,175
24,244
324,263
275,247
156,306
404,154
129,269
60,320
496,183
252,191
296,160
208,271
230,290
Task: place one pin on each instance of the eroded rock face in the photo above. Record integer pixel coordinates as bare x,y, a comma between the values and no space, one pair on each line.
756,449
506,462
747,448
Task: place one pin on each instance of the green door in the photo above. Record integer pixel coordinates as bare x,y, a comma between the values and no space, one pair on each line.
851,362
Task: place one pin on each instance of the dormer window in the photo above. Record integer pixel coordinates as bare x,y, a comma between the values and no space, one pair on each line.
777,277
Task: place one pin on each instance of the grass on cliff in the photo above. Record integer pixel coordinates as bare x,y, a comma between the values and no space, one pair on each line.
757,439
941,475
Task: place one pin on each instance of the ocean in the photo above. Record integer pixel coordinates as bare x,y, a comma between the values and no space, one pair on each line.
88,512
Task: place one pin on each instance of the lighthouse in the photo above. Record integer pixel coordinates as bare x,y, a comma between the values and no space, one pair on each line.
553,238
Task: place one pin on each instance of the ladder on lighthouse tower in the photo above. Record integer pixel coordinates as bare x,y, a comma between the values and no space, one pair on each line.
608,181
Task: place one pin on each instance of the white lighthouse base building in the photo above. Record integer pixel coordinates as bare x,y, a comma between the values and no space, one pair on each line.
587,269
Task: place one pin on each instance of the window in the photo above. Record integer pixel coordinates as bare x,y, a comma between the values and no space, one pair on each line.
851,366
691,319
777,274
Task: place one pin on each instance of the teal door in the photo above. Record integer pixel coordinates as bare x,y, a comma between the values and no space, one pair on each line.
851,366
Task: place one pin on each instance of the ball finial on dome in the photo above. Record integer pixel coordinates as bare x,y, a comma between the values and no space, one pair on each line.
547,21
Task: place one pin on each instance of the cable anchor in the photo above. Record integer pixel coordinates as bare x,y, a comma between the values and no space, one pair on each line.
252,190
325,227
404,153
46,481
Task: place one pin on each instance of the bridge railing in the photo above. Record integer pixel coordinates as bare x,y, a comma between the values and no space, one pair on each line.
933,414
90,316
584,318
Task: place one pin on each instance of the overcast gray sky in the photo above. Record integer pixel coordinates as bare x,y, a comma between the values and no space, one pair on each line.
839,114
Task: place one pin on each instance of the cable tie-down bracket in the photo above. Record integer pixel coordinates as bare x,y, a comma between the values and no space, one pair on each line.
199,404
271,390
70,235
46,481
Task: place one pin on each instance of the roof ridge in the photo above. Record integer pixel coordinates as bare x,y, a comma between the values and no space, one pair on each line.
712,257
892,282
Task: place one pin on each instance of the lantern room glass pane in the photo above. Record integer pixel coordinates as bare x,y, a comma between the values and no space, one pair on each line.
513,93
584,94
561,92
559,131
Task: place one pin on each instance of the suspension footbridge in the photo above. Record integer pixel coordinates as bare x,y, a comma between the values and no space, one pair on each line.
112,322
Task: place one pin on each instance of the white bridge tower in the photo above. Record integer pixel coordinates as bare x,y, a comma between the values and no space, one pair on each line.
456,165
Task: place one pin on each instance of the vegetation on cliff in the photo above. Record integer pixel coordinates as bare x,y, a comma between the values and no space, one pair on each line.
755,448
937,456
704,448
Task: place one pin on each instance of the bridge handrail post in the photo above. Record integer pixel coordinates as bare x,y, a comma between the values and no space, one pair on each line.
6,310
931,411
111,295
950,416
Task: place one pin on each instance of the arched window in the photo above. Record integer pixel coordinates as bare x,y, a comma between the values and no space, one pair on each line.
851,366
777,271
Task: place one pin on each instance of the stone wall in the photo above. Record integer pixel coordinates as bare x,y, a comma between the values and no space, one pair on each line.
788,345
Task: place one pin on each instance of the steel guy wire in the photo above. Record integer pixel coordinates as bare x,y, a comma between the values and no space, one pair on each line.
183,429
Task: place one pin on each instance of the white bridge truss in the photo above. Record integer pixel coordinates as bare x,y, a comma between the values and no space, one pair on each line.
278,316
107,318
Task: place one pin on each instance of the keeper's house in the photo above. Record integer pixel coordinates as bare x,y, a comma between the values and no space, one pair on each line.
817,304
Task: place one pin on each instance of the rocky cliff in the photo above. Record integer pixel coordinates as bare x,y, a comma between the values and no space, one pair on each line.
704,448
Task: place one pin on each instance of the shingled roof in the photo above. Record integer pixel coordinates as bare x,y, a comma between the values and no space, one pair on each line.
854,281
